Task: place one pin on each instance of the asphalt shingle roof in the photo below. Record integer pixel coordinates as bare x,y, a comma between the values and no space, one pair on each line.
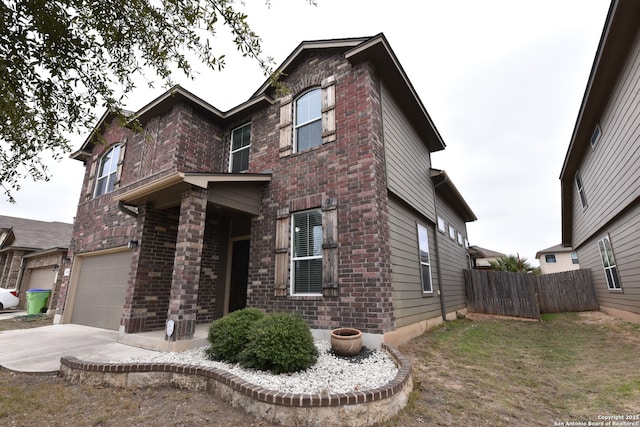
29,233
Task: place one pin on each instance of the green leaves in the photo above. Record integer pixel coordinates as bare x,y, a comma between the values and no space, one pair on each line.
62,59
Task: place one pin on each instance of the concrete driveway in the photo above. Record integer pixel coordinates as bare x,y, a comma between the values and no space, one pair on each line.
38,350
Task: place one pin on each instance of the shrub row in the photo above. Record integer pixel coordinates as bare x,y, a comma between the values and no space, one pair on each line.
278,342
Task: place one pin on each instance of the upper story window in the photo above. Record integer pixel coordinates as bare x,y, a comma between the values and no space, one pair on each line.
460,239
574,258
452,232
595,137
609,264
240,144
308,121
442,226
306,260
580,187
550,258
425,260
108,171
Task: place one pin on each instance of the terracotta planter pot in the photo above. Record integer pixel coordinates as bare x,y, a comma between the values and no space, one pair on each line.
346,341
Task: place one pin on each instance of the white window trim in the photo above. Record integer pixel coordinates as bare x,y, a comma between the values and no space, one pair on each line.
294,258
296,126
442,225
613,267
580,187
596,135
452,233
112,162
422,263
232,151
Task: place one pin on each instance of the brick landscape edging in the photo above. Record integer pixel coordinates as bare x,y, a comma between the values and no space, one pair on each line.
353,408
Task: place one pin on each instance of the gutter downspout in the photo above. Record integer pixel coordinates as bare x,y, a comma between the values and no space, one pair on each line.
440,293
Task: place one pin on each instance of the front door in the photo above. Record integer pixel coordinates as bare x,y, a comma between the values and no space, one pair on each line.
239,275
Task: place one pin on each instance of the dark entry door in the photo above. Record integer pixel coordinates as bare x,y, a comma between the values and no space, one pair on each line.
239,275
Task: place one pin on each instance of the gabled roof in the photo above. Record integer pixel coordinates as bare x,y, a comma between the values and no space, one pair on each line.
376,50
28,234
554,250
620,30
450,194
162,104
479,252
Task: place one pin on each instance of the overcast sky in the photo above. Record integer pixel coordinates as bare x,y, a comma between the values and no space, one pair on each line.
502,81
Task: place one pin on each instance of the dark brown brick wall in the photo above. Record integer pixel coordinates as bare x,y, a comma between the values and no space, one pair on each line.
351,169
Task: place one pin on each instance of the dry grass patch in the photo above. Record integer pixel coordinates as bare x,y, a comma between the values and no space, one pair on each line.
568,367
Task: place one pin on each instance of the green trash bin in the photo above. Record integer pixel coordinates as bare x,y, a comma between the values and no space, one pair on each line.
37,300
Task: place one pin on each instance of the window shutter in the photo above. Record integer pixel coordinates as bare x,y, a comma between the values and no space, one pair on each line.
120,162
328,110
282,252
92,178
330,248
286,125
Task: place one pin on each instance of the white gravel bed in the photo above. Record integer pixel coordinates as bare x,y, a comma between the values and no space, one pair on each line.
330,374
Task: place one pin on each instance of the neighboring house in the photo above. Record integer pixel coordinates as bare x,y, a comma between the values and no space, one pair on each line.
557,258
322,201
482,257
31,253
600,178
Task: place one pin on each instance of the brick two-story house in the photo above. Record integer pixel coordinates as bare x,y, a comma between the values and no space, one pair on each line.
322,201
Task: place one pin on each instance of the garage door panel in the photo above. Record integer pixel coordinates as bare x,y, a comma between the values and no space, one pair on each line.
41,278
101,289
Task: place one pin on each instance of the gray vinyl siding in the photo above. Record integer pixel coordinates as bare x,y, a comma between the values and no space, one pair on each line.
609,171
453,260
407,158
624,234
411,305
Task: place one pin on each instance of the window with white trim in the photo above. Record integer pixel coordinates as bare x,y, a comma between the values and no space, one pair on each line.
609,264
550,258
306,259
452,232
308,121
580,187
595,137
460,239
108,171
442,225
425,260
240,144
574,258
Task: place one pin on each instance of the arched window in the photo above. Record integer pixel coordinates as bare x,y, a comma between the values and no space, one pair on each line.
108,171
308,120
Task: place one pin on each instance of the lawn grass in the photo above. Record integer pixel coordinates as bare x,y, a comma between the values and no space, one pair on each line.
508,372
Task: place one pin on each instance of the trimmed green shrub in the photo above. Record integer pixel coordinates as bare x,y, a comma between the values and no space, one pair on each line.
280,343
228,335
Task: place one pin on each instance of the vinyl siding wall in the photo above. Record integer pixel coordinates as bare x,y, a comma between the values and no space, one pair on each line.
411,305
624,234
609,171
611,180
453,260
407,159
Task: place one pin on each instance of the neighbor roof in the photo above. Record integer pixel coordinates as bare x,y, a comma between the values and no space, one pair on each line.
29,234
554,249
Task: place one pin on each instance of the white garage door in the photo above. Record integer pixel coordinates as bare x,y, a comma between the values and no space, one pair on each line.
101,288
41,278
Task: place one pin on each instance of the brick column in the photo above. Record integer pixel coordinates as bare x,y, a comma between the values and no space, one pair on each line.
186,267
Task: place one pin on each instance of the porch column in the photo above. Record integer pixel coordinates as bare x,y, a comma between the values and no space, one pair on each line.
183,302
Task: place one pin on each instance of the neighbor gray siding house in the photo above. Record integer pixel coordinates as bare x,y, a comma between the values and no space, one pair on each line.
600,178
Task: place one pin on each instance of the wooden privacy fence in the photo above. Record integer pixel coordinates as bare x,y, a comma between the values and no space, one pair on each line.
525,295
